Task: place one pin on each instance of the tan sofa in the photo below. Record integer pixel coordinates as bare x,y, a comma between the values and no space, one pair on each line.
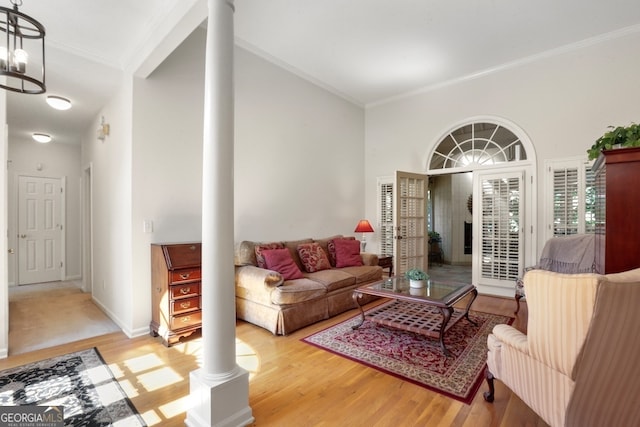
266,299
577,365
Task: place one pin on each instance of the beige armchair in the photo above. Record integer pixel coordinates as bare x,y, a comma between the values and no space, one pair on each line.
578,364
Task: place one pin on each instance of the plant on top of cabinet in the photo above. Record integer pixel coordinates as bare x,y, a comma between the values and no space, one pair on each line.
620,136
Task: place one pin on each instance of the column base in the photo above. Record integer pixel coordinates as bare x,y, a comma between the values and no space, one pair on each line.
219,402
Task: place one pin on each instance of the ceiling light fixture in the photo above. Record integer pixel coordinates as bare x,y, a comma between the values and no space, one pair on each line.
21,51
58,102
42,138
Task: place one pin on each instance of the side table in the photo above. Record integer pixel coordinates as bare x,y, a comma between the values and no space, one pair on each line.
386,261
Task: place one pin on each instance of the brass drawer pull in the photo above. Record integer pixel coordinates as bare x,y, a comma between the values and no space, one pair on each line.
185,276
185,304
185,291
186,319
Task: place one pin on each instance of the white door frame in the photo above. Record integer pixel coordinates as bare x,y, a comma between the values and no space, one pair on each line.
87,228
528,199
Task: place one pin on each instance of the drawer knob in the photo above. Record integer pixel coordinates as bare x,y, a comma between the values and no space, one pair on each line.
184,276
184,291
185,304
186,319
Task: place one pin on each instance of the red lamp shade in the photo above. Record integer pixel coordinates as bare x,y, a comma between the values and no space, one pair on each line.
363,227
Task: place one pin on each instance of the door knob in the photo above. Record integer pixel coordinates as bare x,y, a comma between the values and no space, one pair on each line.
23,236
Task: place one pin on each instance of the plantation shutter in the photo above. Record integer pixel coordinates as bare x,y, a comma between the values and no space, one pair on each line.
572,187
385,215
501,232
565,201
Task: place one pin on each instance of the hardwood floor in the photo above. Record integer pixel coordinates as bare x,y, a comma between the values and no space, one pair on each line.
293,383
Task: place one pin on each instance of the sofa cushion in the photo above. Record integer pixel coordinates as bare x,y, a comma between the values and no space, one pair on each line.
365,273
347,253
259,247
298,290
280,260
331,248
313,257
332,279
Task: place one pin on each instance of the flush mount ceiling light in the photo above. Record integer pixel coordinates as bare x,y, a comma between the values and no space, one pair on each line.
42,138
58,102
21,51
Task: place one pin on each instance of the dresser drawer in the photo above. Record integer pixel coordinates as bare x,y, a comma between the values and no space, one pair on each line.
185,305
185,320
185,274
185,290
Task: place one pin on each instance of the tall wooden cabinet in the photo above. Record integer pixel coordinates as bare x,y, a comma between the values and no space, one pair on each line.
175,286
617,240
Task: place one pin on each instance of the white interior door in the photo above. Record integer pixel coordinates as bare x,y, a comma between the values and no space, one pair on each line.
39,229
410,222
501,233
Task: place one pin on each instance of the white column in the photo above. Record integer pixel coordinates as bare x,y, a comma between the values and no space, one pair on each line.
220,388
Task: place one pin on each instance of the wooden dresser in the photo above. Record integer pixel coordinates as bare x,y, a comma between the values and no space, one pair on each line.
617,239
175,283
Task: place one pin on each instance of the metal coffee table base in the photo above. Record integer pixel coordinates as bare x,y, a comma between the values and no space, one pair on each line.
418,317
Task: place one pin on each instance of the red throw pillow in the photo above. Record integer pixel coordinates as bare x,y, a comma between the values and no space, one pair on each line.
280,260
332,249
263,247
347,253
313,257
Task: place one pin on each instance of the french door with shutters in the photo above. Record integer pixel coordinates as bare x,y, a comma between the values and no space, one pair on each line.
501,240
410,219
39,229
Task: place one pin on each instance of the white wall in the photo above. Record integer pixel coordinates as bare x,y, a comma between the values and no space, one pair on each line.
110,162
563,102
298,156
167,161
57,160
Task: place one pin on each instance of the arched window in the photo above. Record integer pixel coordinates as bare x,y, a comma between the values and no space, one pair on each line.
477,144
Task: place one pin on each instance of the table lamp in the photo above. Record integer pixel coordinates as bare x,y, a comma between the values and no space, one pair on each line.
363,227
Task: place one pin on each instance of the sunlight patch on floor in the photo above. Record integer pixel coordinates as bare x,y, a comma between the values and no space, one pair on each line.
159,378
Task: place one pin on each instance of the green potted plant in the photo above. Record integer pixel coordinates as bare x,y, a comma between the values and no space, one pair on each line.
434,237
620,136
417,277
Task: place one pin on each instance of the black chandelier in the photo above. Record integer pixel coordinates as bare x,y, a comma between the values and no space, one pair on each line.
21,65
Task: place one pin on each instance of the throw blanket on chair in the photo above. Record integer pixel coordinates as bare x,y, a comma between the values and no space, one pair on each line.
569,254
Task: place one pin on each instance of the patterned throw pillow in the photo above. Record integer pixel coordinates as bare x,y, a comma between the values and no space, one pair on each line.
331,247
313,257
280,260
263,247
348,253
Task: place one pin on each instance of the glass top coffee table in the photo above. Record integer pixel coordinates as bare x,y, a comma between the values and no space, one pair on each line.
429,310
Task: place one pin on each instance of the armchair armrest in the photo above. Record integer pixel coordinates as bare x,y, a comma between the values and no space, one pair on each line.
512,337
369,258
252,277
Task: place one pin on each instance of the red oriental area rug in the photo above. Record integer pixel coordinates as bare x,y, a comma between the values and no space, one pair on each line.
417,358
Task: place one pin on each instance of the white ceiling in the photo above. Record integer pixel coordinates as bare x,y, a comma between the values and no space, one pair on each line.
367,51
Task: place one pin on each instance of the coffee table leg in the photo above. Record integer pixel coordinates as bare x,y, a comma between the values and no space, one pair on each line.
446,315
356,298
466,314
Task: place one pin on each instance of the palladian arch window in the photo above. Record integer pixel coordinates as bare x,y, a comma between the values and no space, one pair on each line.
477,144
